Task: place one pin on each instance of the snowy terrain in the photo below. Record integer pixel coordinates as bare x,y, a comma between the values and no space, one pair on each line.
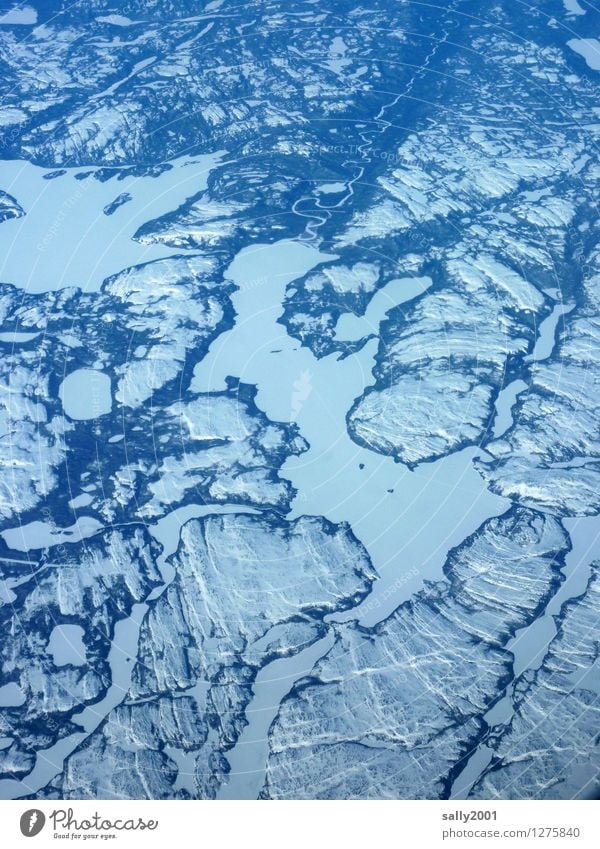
299,400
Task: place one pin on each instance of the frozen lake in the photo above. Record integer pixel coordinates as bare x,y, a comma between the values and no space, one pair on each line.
86,394
66,645
406,519
589,48
352,327
37,534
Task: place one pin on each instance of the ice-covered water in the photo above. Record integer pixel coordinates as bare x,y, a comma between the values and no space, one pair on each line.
248,758
65,239
38,534
406,519
66,645
384,502
530,644
86,394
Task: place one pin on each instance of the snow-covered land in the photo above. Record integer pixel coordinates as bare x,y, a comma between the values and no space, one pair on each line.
299,402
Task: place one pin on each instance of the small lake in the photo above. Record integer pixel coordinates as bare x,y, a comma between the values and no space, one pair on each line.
86,394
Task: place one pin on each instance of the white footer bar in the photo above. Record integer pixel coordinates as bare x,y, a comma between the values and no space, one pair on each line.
286,825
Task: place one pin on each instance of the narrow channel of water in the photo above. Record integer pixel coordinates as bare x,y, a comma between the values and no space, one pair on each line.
249,756
530,645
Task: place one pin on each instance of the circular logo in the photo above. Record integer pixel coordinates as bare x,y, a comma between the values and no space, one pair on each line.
32,822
